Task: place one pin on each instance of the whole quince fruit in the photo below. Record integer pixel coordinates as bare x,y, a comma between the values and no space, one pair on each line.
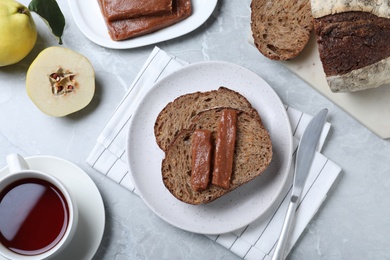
18,33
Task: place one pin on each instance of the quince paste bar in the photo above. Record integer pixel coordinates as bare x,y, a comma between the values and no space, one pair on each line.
133,27
123,9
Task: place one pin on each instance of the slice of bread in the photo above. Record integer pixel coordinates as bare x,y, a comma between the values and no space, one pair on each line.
281,29
177,114
252,155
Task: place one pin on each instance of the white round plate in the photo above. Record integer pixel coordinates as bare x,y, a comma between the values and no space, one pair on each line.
239,207
90,21
91,224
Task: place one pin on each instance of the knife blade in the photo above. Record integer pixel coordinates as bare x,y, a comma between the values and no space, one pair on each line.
303,162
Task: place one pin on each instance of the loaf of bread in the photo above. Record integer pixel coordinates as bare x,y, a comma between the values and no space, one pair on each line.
281,29
353,42
177,114
252,155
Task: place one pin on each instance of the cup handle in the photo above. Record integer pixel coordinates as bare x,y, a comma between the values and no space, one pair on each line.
16,163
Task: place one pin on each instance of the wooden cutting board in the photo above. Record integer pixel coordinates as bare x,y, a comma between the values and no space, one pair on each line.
370,107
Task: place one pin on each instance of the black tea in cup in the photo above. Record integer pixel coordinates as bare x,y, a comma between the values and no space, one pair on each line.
34,216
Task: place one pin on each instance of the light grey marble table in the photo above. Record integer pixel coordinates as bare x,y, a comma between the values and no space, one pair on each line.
353,222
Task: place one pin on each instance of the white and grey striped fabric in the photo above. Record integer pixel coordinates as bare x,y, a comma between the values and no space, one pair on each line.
255,241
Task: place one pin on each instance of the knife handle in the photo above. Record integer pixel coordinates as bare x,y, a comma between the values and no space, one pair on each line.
280,249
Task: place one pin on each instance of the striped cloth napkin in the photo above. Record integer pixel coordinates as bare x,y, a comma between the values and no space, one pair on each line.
258,239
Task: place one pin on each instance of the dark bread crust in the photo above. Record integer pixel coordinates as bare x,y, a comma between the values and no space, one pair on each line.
281,29
351,40
177,114
253,154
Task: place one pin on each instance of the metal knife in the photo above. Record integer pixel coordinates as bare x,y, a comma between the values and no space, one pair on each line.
304,160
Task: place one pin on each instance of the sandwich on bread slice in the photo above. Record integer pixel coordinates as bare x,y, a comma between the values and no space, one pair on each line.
252,155
177,134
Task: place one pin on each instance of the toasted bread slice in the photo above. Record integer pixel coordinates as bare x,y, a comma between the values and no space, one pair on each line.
281,29
252,155
177,114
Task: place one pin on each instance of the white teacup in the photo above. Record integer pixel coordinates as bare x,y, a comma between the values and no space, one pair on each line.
38,216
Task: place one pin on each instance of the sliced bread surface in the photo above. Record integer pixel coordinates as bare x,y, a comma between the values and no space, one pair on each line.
177,114
281,29
252,155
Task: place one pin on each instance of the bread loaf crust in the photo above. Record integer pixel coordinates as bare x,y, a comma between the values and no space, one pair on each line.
322,8
371,76
353,39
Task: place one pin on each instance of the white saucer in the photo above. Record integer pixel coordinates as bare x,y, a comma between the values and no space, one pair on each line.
91,209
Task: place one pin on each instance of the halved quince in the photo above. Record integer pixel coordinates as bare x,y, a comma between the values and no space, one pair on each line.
60,81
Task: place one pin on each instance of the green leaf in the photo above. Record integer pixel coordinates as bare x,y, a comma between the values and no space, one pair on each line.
51,13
